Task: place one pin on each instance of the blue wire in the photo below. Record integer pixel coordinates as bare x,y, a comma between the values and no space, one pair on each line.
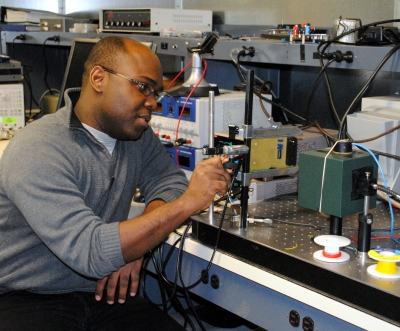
385,184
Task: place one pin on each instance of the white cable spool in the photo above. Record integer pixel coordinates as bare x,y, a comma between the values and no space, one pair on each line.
331,251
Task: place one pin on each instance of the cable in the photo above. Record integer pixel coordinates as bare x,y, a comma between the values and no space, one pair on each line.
391,36
327,43
246,51
365,87
167,287
179,74
261,101
376,238
46,68
323,69
257,92
242,52
179,263
388,191
183,109
171,289
326,134
323,176
384,197
328,84
185,289
177,275
26,76
172,285
378,136
19,37
205,272
385,185
44,94
29,84
152,257
189,287
332,138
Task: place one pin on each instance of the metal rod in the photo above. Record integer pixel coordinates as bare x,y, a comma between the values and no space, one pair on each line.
366,204
364,228
364,233
211,104
248,119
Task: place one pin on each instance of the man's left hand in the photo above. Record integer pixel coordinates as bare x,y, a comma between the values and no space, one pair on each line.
127,277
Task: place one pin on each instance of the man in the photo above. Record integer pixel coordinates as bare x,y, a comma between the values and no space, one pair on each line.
67,252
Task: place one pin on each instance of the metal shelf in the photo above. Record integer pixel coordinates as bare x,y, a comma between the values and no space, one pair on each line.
267,50
175,46
284,53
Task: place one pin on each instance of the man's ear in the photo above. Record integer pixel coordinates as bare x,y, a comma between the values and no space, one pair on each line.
97,77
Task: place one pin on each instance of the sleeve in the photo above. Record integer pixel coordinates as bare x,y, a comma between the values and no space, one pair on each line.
41,177
161,178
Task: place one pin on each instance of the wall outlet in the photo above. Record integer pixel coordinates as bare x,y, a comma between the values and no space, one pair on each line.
178,4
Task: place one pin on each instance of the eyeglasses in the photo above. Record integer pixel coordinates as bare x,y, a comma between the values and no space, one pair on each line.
144,88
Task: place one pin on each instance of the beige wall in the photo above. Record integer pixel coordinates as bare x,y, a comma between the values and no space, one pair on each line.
318,12
241,12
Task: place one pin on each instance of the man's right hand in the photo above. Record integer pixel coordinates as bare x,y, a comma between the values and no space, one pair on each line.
143,233
209,177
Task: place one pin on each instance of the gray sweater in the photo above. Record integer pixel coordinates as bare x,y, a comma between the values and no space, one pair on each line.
62,196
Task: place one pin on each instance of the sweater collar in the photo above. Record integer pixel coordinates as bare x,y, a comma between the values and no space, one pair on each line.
71,96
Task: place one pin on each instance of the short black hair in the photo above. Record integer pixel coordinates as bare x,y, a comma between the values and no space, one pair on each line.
106,52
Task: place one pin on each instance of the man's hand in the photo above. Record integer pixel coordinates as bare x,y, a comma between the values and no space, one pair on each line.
209,177
127,277
143,233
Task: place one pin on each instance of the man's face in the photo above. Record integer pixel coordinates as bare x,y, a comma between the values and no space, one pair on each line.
124,111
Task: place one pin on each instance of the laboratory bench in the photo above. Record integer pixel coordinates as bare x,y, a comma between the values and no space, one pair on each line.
267,274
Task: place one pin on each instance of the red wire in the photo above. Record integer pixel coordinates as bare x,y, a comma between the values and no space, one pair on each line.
376,238
183,109
180,73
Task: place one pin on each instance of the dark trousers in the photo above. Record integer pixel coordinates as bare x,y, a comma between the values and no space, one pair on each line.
21,310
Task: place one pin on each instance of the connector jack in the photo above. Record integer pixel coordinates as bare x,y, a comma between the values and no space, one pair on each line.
21,37
54,38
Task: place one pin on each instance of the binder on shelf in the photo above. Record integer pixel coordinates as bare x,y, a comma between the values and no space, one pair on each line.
19,27
24,15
